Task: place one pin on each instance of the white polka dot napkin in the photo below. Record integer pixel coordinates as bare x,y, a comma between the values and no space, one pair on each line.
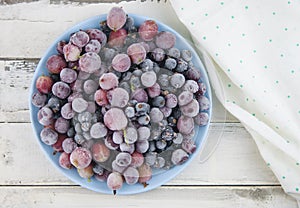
252,52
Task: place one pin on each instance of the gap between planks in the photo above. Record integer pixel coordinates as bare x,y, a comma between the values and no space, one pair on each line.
236,150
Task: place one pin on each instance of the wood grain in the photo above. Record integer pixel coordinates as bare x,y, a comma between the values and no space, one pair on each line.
175,197
54,19
236,160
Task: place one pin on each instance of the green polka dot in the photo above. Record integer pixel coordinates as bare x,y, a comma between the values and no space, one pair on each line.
299,111
192,23
287,141
274,13
229,44
281,55
270,40
297,189
228,70
243,34
241,61
222,3
268,164
283,177
276,81
297,44
246,7
233,102
259,24
265,66
217,27
289,2
217,54
204,38
247,99
288,96
297,163
182,8
292,71
253,114
276,127
206,14
285,29
241,86
232,17
229,85
254,51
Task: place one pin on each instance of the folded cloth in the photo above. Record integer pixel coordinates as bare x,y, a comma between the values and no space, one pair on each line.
252,52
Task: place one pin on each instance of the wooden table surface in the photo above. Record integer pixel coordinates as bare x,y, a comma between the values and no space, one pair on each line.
234,176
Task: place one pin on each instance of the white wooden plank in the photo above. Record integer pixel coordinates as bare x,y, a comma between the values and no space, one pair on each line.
175,197
236,160
54,19
15,80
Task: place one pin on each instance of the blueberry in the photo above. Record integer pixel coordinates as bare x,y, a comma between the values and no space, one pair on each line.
126,76
71,132
163,80
159,101
155,134
107,54
98,169
162,125
144,120
129,40
172,121
176,113
125,86
158,54
186,55
118,74
135,82
152,147
170,63
150,158
54,104
156,67
161,144
167,134
105,28
55,77
137,72
132,29
142,108
174,53
79,139
132,102
129,23
146,65
181,65
129,112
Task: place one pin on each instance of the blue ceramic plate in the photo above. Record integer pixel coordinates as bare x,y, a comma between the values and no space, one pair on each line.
158,178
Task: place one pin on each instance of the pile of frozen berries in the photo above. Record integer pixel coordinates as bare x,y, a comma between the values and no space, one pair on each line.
120,101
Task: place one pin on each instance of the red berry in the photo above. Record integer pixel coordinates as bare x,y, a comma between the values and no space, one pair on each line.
117,38
55,64
57,147
44,84
148,30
